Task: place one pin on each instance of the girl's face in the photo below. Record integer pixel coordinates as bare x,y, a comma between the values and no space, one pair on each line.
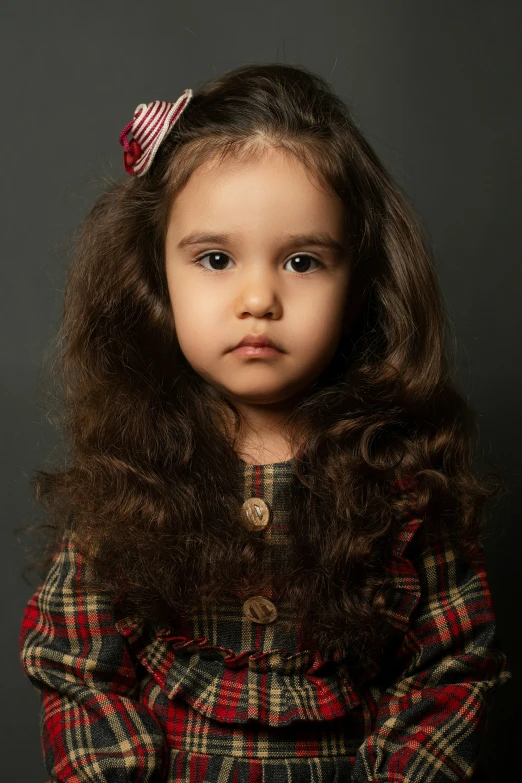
257,247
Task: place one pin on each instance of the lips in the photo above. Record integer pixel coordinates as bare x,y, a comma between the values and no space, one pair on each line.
257,341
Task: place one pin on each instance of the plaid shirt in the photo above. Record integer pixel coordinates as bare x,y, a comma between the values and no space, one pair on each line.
229,700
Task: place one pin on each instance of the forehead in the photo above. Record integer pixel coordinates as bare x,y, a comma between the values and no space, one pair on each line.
273,190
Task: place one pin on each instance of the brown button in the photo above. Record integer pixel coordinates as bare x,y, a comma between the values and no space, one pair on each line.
259,609
255,513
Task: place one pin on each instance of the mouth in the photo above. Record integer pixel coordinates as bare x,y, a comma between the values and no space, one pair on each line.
256,350
256,345
257,341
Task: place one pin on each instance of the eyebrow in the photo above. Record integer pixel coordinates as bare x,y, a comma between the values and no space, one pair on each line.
318,239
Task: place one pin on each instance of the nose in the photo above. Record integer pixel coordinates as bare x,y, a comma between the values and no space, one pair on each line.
258,293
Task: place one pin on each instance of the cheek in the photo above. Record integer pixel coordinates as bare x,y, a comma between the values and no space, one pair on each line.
196,325
185,304
321,317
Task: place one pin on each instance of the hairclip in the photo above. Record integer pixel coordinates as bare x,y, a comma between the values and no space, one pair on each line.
149,126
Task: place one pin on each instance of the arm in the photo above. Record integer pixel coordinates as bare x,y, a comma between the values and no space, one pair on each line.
92,727
430,723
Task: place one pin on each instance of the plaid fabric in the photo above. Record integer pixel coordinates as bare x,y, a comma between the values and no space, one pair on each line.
232,701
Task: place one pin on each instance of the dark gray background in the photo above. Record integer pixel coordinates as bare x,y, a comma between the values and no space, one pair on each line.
436,89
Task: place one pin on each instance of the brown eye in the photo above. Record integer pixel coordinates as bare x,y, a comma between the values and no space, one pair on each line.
302,262
218,261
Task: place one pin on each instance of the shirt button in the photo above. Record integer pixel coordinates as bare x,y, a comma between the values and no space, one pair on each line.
255,513
259,609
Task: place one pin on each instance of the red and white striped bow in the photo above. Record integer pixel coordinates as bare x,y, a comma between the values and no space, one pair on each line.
149,126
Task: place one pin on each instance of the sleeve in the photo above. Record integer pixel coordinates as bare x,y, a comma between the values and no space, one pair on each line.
92,726
430,723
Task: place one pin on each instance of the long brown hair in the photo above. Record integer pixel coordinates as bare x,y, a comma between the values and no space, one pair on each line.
149,483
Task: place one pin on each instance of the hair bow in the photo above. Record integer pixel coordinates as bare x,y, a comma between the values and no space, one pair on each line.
149,126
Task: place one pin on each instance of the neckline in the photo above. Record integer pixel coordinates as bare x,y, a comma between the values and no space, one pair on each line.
286,463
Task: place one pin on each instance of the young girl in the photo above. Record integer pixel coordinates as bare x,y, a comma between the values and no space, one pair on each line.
267,544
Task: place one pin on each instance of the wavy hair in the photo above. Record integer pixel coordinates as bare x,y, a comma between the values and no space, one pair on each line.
143,433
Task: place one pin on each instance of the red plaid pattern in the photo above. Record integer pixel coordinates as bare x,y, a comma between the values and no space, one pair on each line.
232,701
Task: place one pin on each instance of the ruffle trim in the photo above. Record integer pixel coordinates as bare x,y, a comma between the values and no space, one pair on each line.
273,687
407,589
